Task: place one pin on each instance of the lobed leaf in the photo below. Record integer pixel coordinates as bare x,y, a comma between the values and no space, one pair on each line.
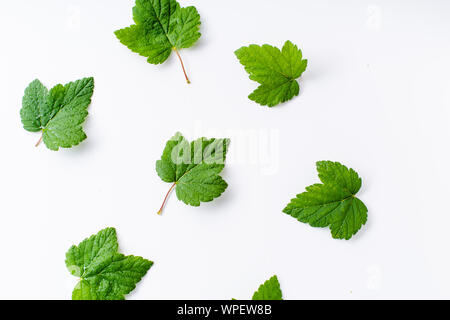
332,203
194,168
160,27
275,70
58,113
104,273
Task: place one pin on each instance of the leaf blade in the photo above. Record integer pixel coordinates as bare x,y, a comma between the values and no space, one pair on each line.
201,184
160,26
34,97
80,259
194,168
275,70
119,277
269,290
64,129
333,203
104,273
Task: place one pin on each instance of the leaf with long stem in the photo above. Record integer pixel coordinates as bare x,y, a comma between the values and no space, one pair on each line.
193,169
162,26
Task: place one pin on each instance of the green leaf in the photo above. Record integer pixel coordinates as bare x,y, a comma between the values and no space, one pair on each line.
33,102
104,273
193,168
269,290
160,27
58,113
276,71
332,203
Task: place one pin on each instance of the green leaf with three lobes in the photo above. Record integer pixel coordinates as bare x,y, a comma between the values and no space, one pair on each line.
160,27
58,113
193,168
104,273
269,290
332,203
275,70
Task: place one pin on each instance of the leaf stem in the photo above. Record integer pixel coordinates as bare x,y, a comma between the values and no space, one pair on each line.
39,142
182,65
165,199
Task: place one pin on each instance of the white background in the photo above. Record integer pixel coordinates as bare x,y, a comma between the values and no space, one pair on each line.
375,96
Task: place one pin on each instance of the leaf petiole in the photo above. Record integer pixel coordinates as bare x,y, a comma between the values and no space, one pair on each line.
182,65
39,142
165,199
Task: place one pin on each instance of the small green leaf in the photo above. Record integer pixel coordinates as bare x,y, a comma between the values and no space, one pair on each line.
193,168
33,101
275,70
104,273
332,203
58,113
269,290
160,27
